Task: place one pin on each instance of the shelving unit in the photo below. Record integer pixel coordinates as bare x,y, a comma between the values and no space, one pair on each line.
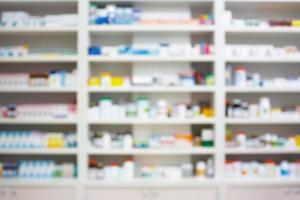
18,188
83,35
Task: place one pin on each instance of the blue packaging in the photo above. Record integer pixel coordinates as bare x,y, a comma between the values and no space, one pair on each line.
124,49
102,20
95,50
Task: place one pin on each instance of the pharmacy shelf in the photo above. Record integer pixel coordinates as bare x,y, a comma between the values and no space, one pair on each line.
188,183
38,90
57,182
31,30
144,183
151,59
39,121
244,151
165,89
262,90
154,1
264,1
263,182
100,29
267,30
262,121
62,151
39,59
151,121
271,59
162,151
37,1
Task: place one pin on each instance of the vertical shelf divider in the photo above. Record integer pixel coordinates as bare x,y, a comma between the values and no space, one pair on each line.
82,96
220,129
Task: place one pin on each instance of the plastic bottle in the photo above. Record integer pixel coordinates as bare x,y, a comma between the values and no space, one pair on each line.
105,104
106,140
129,169
207,136
201,169
128,142
143,105
264,107
241,139
240,77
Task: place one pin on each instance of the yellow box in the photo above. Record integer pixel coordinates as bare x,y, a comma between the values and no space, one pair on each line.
297,138
296,23
94,81
117,81
208,112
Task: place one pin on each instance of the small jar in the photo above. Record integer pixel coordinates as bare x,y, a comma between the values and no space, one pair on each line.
253,110
106,140
129,169
241,139
240,77
128,142
105,104
187,170
284,169
131,110
162,108
181,111
264,107
143,107
201,169
207,137
297,169
229,169
105,79
270,169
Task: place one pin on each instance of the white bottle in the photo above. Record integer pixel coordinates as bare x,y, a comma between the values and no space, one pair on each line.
162,109
129,169
253,111
241,139
105,105
210,168
264,107
128,142
143,106
106,140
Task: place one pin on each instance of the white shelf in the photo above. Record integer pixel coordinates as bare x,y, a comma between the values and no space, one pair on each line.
152,121
179,89
188,182
262,121
39,59
269,30
100,29
244,151
58,182
39,30
37,1
155,1
264,1
39,121
271,59
151,59
162,151
38,90
62,151
84,35
261,90
262,182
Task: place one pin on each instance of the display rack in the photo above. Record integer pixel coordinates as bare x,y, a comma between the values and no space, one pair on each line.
217,188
